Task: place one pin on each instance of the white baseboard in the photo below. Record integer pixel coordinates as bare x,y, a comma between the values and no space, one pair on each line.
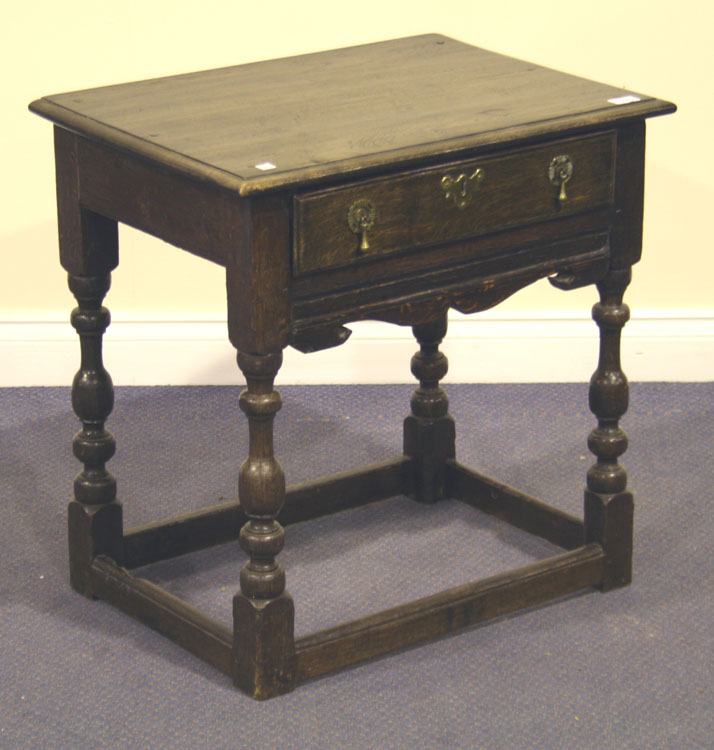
490,347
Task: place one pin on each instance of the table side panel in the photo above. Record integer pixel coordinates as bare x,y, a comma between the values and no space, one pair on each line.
88,242
192,215
258,277
626,237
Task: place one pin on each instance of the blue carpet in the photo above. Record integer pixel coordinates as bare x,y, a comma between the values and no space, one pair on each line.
629,669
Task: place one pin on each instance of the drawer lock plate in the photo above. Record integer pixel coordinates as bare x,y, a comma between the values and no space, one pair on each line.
461,189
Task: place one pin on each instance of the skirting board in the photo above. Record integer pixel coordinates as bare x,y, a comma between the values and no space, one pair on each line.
486,348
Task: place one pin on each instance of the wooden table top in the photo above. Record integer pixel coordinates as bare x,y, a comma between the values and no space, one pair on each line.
301,120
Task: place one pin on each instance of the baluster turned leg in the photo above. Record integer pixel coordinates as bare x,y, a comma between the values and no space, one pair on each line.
429,435
608,506
263,612
95,515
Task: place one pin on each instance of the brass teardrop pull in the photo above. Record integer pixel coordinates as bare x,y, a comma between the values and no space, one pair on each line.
559,172
360,218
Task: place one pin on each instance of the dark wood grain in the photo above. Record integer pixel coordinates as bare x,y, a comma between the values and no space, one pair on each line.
180,210
608,506
468,287
412,210
626,235
258,276
256,167
95,514
341,112
263,659
515,507
349,489
447,611
429,432
563,238
203,636
179,535
88,241
303,502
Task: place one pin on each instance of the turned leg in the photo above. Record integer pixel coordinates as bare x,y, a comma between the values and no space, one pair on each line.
95,515
429,435
263,613
89,250
608,505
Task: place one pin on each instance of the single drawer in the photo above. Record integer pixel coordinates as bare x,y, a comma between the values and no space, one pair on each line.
453,201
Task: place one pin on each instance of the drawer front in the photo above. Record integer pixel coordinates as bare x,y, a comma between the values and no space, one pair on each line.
457,200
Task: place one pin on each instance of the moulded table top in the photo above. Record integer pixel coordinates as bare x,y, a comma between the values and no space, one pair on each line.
301,120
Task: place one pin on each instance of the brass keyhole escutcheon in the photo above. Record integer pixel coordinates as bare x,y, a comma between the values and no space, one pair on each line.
360,218
559,172
461,189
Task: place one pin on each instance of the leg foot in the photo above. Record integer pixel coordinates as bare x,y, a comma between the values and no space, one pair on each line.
93,530
608,521
263,648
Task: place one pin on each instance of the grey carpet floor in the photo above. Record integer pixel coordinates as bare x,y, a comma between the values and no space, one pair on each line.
629,669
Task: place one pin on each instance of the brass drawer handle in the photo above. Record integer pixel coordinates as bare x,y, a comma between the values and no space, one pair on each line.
559,172
462,188
360,218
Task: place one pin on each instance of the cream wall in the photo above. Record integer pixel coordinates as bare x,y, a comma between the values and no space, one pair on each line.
660,48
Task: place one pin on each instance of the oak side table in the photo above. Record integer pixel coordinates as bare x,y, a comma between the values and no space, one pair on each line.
391,182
